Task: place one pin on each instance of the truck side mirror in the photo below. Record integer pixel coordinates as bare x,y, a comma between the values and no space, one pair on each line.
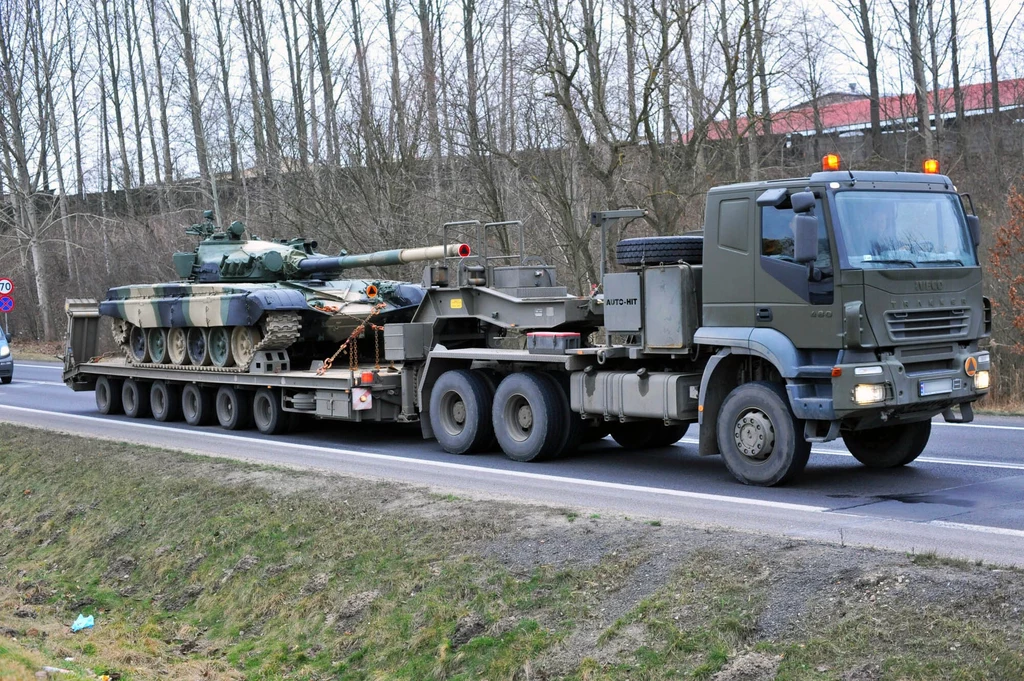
803,202
974,226
805,238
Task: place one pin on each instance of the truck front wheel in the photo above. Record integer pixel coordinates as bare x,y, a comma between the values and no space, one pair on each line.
889,446
460,412
761,440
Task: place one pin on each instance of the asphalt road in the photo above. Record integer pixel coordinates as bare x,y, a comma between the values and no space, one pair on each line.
964,497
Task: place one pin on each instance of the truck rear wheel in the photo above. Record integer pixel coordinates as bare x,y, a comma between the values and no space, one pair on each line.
761,440
460,412
267,412
234,408
108,396
527,416
572,434
197,405
135,399
647,434
165,400
889,446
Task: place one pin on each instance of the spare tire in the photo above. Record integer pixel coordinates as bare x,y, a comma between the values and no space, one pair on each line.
660,250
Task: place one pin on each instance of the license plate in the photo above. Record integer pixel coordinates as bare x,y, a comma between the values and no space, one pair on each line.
936,386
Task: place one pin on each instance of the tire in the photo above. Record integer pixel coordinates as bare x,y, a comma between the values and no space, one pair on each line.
108,396
234,409
528,417
596,433
7,379
647,434
889,446
267,412
165,401
219,345
460,412
156,339
135,399
198,342
197,405
138,344
574,425
758,414
659,250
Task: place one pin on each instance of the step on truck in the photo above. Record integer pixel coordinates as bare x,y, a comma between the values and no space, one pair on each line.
847,304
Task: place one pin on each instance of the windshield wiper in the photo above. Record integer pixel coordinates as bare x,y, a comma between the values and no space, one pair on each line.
953,261
892,261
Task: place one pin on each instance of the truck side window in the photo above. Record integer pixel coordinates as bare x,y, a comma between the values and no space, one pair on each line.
777,235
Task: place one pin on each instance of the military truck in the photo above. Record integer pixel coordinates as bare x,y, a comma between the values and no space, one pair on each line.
846,304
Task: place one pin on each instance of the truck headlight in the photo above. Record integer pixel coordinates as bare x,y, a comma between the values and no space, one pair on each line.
868,393
981,380
5,351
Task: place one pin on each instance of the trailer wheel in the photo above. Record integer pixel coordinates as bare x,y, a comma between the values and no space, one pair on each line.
527,416
889,446
135,399
647,434
761,440
165,401
460,410
197,405
108,396
572,433
234,408
267,412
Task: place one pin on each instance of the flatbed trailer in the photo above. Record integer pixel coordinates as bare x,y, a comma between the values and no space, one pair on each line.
769,330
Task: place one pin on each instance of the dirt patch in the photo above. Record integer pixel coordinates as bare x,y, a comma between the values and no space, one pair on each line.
750,667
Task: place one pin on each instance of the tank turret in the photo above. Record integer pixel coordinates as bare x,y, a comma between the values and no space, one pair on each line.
224,256
239,296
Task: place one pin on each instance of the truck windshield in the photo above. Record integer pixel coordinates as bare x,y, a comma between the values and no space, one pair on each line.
882,229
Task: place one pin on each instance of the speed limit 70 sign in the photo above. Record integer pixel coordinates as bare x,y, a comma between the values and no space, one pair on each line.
6,286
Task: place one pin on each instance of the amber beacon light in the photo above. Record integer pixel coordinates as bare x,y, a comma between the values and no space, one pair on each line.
830,162
930,166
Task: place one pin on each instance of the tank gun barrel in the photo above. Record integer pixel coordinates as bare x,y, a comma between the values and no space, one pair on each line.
395,256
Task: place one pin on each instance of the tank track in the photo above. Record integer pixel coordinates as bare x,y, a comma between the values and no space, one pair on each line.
280,330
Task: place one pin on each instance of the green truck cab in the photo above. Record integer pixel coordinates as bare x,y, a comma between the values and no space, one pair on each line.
858,293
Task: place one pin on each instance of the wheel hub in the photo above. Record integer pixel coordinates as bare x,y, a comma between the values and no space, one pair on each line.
525,417
459,412
754,435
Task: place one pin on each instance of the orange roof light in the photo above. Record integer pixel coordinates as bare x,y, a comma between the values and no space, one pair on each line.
930,166
830,162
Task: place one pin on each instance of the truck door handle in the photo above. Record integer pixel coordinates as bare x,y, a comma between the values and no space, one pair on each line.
764,314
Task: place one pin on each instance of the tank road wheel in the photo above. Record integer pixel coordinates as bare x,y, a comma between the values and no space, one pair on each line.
647,434
761,440
157,341
165,401
177,345
460,412
138,346
234,408
108,395
220,347
198,346
135,398
197,405
889,446
244,340
527,416
270,417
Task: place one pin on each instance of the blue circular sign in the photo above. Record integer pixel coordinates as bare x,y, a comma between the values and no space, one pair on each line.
6,303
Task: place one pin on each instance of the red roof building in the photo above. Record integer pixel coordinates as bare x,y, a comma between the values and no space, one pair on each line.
853,114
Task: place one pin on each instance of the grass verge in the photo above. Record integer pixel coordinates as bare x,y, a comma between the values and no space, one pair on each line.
199,568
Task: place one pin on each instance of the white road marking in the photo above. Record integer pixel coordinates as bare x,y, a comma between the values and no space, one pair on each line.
979,528
976,425
55,367
277,444
21,380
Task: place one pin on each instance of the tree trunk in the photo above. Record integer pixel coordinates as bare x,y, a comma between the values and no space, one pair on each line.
867,32
327,82
937,104
397,105
225,82
993,58
430,80
753,131
114,64
365,97
129,44
920,84
161,96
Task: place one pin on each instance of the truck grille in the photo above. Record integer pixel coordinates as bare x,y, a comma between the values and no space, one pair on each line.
927,324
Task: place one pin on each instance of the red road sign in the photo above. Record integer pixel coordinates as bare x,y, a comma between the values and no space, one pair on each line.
6,304
6,286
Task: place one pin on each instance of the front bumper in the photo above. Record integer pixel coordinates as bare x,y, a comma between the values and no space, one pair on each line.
908,395
6,368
